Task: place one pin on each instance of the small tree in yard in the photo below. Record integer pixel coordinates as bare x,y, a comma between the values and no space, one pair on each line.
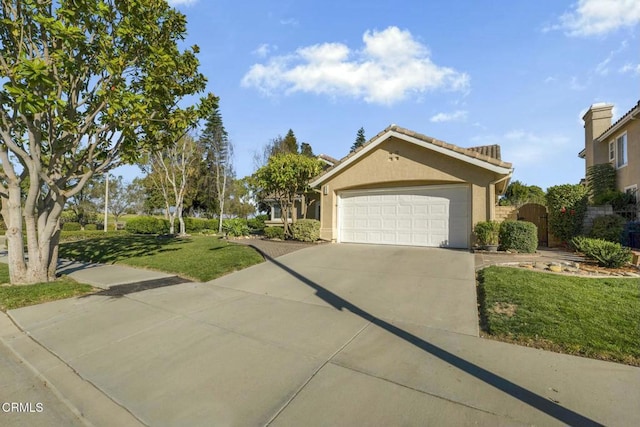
170,170
86,85
567,207
285,177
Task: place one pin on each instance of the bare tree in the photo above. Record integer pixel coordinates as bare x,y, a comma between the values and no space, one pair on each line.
170,170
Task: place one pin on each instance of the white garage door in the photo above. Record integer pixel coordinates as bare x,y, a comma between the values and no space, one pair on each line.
417,216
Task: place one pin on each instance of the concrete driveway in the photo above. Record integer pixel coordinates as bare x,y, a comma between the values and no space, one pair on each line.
330,335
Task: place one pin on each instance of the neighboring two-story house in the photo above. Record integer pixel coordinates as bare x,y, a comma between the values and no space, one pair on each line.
617,143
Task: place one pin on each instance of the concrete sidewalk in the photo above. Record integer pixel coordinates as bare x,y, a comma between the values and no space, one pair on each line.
312,338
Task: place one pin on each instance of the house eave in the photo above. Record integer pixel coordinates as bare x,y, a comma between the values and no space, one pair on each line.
502,170
632,114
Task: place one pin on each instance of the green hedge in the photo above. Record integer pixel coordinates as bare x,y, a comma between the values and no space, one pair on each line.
487,232
91,227
73,236
257,224
520,236
306,230
147,225
607,254
71,226
608,227
274,233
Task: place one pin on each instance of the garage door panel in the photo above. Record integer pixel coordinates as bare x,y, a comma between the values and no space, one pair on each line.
420,216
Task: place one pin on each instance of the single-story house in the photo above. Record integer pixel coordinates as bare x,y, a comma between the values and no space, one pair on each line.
617,143
404,188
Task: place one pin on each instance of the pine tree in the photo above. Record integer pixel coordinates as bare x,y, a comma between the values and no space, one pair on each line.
290,142
360,140
306,150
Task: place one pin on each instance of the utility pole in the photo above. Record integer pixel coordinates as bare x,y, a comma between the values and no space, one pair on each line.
106,199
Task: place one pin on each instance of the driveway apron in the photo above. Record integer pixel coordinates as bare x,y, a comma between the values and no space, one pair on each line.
329,335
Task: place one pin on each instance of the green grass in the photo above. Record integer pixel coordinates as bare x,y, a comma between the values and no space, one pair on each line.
200,258
598,318
21,296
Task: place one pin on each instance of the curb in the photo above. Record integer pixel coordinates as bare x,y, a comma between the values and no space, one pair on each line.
92,406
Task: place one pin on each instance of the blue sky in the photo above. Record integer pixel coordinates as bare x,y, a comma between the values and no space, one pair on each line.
516,73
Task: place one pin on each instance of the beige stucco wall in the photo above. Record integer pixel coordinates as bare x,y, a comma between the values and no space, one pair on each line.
596,120
397,163
630,174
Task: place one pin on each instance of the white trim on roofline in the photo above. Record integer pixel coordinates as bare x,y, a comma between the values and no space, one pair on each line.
392,133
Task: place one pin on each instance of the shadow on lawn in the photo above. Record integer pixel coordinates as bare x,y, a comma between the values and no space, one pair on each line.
108,250
564,415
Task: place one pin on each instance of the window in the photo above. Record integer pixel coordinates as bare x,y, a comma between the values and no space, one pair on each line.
612,151
621,150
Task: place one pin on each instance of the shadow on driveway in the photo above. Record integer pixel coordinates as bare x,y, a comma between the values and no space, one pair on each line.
528,397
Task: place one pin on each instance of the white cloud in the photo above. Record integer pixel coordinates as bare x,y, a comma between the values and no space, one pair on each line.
390,66
290,21
550,79
181,2
264,49
449,117
524,148
596,17
631,68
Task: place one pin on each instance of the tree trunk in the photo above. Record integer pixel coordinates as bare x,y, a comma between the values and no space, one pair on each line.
12,213
183,229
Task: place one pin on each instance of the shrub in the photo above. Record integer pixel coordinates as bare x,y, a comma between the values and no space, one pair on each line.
235,227
71,226
195,225
91,227
607,254
608,227
306,230
147,225
567,206
212,224
487,232
256,224
274,233
74,236
520,236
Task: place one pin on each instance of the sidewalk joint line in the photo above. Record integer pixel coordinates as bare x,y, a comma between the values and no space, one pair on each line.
312,376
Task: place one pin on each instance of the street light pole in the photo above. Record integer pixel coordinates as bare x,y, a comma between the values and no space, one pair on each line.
106,199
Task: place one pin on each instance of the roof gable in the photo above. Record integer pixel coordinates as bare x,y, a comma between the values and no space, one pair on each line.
487,157
629,115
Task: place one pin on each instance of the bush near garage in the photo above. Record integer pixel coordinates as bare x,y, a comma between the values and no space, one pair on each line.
274,233
607,254
487,232
147,225
520,236
608,227
306,230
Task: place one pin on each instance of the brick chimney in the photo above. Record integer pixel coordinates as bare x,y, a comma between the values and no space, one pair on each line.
596,120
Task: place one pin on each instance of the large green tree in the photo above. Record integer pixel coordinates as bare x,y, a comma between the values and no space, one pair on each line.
85,86
518,194
285,178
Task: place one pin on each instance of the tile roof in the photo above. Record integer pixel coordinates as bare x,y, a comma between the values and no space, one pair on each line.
623,119
489,153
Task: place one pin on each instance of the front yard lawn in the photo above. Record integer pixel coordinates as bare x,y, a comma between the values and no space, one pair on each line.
21,296
200,258
592,317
